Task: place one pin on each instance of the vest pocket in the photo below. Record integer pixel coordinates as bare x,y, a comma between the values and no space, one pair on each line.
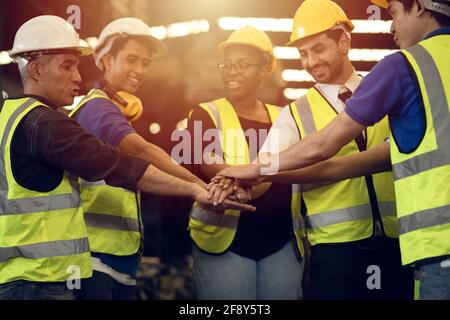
202,227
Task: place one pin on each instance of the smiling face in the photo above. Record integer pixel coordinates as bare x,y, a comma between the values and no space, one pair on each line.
243,69
323,58
57,78
406,27
127,69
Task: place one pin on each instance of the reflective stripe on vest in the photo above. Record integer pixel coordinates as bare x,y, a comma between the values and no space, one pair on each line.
41,234
327,220
346,215
422,177
214,232
114,222
45,250
111,213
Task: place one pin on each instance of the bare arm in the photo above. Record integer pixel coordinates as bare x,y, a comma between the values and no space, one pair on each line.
137,146
157,182
321,145
315,148
371,161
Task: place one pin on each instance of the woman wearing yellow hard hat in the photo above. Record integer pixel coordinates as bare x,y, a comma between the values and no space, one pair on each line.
238,255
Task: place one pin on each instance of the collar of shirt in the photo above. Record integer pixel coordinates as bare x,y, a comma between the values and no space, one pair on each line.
331,91
438,32
38,98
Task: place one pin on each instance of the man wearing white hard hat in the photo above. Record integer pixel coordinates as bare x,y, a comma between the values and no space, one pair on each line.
125,50
44,247
412,87
350,224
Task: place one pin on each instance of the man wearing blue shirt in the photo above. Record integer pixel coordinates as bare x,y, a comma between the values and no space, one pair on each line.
412,87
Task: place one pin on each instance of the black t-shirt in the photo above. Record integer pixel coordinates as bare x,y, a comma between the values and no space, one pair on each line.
47,142
269,228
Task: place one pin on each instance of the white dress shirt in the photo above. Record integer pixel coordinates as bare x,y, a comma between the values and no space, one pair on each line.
284,132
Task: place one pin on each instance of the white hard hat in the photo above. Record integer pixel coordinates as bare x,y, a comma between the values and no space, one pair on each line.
125,27
45,34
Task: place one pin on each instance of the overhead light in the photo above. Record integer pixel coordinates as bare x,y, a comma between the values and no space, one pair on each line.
293,75
286,24
294,94
264,24
5,58
182,124
159,32
182,29
92,42
154,128
372,26
291,53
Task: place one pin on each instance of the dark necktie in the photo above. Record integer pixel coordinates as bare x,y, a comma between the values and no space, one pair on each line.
362,145
344,96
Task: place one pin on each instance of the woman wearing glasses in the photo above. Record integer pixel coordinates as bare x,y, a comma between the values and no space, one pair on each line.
240,255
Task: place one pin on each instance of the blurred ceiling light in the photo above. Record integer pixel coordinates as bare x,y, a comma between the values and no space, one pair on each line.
264,24
291,53
182,124
294,94
292,75
295,75
154,128
5,58
182,29
285,24
369,54
159,32
92,42
372,26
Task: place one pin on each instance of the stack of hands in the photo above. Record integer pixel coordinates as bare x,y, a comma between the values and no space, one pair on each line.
234,185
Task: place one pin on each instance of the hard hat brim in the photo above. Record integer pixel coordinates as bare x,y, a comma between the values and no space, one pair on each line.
381,3
159,46
224,45
83,51
349,24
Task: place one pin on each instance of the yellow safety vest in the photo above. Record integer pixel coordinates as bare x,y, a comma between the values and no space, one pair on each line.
422,177
43,236
214,232
342,212
112,214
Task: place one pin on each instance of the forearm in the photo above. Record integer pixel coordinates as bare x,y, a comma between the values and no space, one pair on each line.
157,182
369,162
160,159
260,190
318,146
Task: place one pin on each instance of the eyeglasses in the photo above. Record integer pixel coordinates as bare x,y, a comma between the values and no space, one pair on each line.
241,66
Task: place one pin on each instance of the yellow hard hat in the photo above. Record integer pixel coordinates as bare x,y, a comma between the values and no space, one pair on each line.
316,16
249,36
381,3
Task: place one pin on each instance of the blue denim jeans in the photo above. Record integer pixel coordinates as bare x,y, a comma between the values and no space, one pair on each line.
435,281
231,277
26,290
